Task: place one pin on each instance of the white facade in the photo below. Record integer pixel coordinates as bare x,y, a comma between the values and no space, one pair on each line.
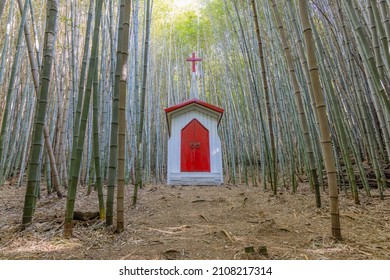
180,116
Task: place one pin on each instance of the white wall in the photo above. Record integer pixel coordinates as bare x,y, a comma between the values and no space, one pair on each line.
209,120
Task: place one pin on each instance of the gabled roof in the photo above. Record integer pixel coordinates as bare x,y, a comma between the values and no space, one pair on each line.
195,101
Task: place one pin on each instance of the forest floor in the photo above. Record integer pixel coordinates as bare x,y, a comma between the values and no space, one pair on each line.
200,223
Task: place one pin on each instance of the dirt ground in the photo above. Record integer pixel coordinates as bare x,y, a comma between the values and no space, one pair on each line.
200,223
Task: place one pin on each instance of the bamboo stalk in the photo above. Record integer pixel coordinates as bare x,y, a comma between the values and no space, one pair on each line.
33,175
267,93
299,103
96,144
113,159
138,171
122,115
68,225
324,126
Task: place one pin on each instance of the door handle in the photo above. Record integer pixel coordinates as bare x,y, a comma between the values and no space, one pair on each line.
195,145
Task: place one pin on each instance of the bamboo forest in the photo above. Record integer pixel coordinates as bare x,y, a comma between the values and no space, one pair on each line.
288,103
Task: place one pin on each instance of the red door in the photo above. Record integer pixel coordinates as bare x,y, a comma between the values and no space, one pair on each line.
195,148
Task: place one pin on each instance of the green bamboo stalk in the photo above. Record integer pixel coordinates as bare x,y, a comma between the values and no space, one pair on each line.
91,171
96,144
68,225
122,114
368,131
375,40
382,34
310,114
138,171
113,160
63,128
6,42
81,88
252,81
341,131
33,174
299,104
113,45
373,150
13,77
86,161
369,59
273,161
15,135
38,58
73,47
135,91
34,71
29,123
103,95
59,121
384,7
47,175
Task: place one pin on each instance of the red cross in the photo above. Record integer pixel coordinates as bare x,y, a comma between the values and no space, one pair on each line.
193,59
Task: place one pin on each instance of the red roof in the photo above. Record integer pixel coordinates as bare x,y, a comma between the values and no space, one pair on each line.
170,110
196,101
